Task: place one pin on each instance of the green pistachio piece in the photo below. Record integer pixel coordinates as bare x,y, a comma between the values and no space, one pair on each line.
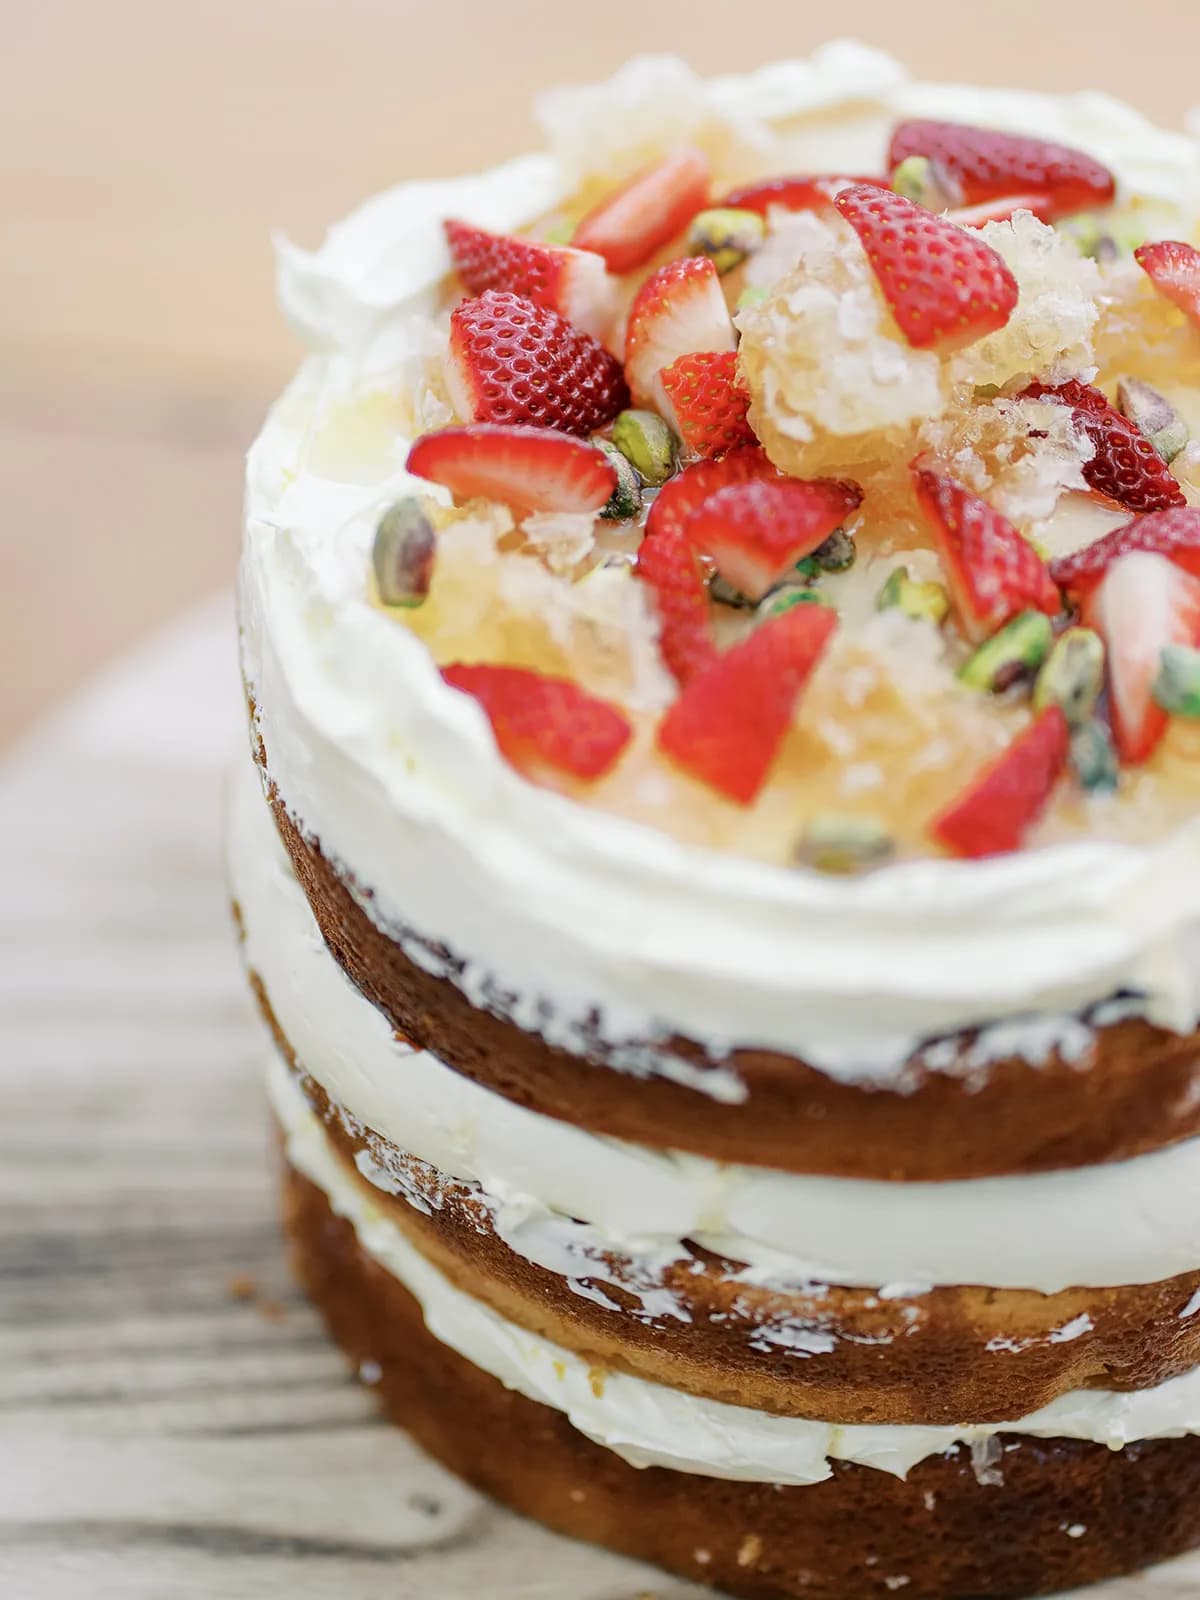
1177,686
1093,758
724,593
560,233
1016,651
403,553
1072,675
927,182
785,597
1104,239
836,554
751,296
925,601
1154,415
835,841
726,236
643,438
626,499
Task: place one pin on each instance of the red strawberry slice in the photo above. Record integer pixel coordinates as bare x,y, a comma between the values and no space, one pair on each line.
705,403
545,723
1142,604
1001,805
513,362
728,724
669,564
679,310
756,531
992,571
534,469
575,283
791,194
1174,534
1174,268
1003,210
678,498
945,286
628,227
991,165
1126,467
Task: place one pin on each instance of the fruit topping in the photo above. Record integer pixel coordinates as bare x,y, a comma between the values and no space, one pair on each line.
790,194
644,439
545,723
992,571
1073,676
726,236
1177,686
926,183
757,531
513,362
1174,269
1016,652
403,553
990,165
534,469
626,501
1142,605
706,403
655,206
926,602
946,287
728,724
1003,803
1125,466
1094,762
575,283
1153,415
678,310
670,565
1174,534
843,842
676,501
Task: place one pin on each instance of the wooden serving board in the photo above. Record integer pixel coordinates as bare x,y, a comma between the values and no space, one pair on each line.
173,1422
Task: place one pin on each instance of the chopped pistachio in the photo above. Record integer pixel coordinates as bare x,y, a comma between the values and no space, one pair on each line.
1105,240
1072,676
626,499
1177,686
560,233
403,553
835,841
724,593
643,438
1093,758
836,554
926,182
1015,652
785,597
751,296
927,601
1154,415
726,236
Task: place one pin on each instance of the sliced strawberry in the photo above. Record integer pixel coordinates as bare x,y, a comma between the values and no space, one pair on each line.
756,531
679,310
992,571
1002,210
575,283
705,403
628,227
542,722
728,724
991,165
945,286
791,194
1142,604
1174,268
1174,534
1126,467
678,498
534,469
513,362
669,564
1002,804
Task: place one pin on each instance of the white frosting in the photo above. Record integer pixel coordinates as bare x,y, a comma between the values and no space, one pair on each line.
595,925
649,1424
1130,1222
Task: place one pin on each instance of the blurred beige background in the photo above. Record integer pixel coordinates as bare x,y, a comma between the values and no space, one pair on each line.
148,147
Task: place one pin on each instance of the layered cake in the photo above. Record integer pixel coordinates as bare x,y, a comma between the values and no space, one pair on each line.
720,864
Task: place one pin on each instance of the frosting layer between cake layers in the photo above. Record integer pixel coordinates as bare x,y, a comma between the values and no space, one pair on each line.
579,915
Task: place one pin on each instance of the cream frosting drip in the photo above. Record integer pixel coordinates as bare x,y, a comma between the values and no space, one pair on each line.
649,1424
593,923
563,1197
